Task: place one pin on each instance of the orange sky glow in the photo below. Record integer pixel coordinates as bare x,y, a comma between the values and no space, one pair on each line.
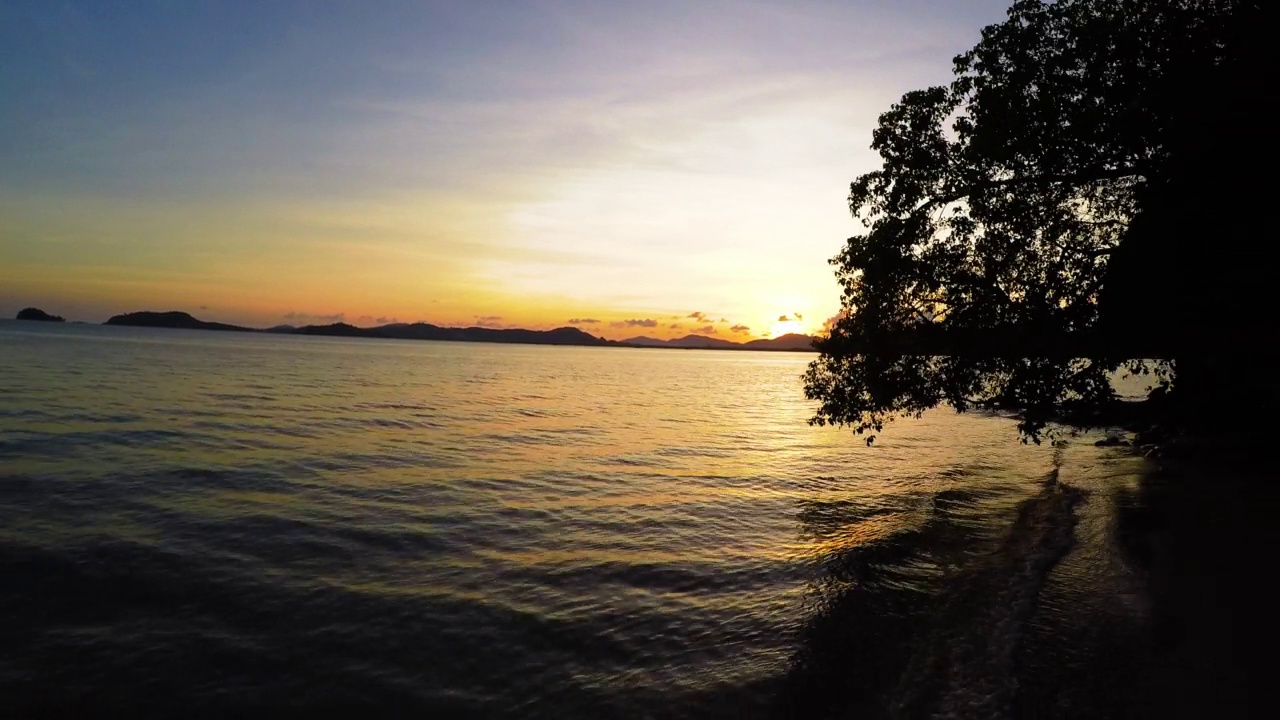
628,170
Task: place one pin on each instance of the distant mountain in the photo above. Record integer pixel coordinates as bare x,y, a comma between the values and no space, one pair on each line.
644,341
38,314
171,319
790,341
702,341
427,331
334,330
785,342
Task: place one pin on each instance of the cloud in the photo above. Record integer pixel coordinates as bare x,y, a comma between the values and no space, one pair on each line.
647,323
739,105
583,321
673,326
204,307
489,321
371,320
742,329
301,317
784,318
831,321
707,330
702,317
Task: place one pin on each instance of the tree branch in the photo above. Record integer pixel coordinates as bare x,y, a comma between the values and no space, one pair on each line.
1049,179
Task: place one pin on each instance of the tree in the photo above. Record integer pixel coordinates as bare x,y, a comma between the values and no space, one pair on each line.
983,277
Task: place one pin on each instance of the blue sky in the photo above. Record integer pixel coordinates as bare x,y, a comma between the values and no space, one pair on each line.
447,162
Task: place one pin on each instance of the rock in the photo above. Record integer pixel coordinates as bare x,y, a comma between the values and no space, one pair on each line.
1153,435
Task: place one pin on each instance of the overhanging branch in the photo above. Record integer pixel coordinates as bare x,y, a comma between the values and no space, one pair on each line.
1049,179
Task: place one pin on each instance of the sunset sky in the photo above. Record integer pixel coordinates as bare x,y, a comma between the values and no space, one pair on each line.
631,168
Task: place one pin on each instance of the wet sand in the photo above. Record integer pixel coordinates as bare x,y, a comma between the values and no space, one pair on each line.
1201,535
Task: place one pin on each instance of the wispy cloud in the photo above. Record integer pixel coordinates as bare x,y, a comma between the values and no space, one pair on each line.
646,323
489,147
583,321
302,317
740,329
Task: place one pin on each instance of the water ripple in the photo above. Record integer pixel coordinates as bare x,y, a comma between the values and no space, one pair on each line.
278,524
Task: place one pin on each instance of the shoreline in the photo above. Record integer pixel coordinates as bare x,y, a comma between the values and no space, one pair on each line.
1192,532
560,337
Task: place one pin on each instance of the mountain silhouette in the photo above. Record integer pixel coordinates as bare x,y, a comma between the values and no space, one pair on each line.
427,331
33,313
644,341
791,341
171,319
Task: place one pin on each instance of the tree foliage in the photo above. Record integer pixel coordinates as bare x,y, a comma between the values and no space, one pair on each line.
989,228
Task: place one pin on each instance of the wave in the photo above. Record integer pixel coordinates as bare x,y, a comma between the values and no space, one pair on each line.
290,530
924,621
965,666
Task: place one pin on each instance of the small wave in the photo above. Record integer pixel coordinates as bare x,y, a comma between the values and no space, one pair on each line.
634,461
237,399
365,525
705,451
62,444
965,667
522,438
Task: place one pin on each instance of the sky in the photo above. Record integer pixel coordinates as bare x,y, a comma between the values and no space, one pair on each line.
656,168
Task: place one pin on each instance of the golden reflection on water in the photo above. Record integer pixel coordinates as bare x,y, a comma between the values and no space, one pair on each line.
864,532
676,502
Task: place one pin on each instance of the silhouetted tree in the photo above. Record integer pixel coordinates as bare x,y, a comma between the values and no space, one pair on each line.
1073,132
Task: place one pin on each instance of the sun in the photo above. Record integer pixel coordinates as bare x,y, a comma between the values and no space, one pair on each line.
785,327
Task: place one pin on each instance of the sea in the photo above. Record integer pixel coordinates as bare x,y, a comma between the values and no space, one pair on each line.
210,524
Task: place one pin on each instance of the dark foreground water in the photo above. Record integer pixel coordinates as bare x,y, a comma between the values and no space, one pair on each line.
209,524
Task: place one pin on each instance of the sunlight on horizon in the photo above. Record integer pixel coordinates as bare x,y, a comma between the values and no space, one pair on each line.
787,327
666,170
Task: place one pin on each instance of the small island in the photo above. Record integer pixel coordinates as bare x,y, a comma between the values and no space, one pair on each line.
39,315
171,319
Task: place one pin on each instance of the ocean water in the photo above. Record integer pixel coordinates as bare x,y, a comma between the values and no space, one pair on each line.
220,524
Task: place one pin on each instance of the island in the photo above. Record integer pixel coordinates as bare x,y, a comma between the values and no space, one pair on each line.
176,319
559,336
39,315
790,341
171,319
427,331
